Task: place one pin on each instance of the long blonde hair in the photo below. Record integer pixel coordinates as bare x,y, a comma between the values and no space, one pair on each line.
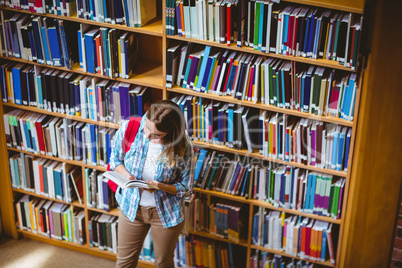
168,118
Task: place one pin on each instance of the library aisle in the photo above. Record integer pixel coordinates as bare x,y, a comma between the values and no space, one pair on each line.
30,253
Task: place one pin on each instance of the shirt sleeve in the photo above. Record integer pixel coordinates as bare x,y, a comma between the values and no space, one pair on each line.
185,185
117,154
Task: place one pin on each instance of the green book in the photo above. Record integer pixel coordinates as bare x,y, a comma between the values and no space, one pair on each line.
256,25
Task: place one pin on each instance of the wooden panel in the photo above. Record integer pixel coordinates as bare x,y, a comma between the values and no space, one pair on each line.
355,6
376,173
6,195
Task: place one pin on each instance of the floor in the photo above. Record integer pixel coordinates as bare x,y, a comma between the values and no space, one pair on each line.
29,253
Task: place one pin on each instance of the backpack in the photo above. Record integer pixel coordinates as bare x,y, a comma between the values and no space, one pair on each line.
129,137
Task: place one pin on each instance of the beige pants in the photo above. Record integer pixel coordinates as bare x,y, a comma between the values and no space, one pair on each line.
131,237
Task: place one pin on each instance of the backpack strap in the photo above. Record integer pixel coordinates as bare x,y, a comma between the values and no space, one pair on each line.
131,133
129,137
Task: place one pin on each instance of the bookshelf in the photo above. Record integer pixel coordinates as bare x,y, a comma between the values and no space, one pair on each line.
151,72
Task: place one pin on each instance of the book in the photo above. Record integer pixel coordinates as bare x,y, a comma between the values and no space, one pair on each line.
124,182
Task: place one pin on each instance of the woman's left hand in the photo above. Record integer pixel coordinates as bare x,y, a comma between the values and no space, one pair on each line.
156,183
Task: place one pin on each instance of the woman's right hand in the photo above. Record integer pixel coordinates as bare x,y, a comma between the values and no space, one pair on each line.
123,171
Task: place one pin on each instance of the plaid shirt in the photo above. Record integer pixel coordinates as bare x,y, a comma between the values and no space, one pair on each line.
170,207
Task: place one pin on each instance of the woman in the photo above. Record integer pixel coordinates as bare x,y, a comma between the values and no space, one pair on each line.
161,154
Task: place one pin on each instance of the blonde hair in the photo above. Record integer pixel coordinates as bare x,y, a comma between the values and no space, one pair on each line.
168,117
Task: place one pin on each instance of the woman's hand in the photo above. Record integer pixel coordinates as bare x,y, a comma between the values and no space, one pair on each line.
123,171
153,183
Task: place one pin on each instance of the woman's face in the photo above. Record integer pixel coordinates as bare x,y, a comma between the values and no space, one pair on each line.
152,133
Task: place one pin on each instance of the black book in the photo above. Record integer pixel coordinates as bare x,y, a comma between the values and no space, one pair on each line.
62,100
54,86
31,86
274,30
24,85
342,36
69,84
250,26
264,27
323,33
204,169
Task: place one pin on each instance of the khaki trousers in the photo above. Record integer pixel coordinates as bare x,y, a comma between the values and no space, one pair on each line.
131,237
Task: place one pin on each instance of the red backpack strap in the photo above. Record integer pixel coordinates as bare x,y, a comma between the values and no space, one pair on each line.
129,137
131,132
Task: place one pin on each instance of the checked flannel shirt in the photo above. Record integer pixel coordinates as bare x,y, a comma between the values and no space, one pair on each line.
170,207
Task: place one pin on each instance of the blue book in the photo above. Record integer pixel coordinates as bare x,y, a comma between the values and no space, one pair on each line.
230,124
79,34
230,250
78,138
231,78
304,50
3,84
260,29
203,67
45,182
243,189
307,200
341,149
16,71
335,146
108,147
188,67
27,136
284,33
57,184
92,134
37,39
235,176
89,50
312,193
105,191
125,8
46,47
178,16
347,149
54,46
311,34
32,44
323,245
58,8
302,92
124,101
283,88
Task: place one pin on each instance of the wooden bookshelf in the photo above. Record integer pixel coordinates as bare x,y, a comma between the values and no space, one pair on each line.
154,27
233,46
228,99
147,74
364,201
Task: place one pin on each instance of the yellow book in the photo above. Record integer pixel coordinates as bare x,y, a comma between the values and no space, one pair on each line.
212,77
119,50
326,42
8,81
194,121
205,255
32,217
211,256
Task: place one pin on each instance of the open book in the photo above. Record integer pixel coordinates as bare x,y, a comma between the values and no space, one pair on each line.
124,182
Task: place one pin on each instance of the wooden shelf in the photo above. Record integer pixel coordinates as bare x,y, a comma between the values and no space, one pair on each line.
72,162
265,205
293,211
113,211
75,203
355,6
233,46
261,106
244,152
147,74
326,263
154,27
72,117
211,236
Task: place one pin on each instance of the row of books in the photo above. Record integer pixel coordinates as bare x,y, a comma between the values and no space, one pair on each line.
222,218
285,29
262,259
72,94
276,82
282,186
45,177
133,13
274,135
54,42
300,237
50,219
102,230
192,251
42,134
97,192
292,188
43,40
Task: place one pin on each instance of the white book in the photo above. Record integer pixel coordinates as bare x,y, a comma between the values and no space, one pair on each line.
124,182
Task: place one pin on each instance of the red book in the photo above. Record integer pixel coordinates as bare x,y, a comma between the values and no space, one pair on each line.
98,59
352,47
42,188
229,24
308,238
294,36
39,133
290,34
